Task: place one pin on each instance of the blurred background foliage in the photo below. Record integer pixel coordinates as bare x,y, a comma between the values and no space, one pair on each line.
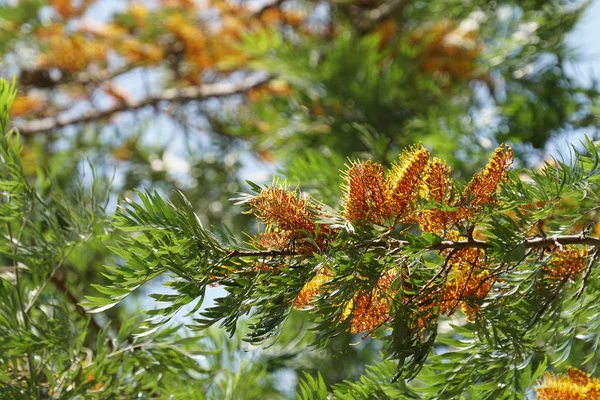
201,95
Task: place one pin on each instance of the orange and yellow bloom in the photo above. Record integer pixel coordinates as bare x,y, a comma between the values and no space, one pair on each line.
574,385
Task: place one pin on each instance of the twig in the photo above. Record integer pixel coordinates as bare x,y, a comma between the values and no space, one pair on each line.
530,243
59,284
587,273
262,253
33,299
436,276
509,268
174,95
545,306
40,78
366,335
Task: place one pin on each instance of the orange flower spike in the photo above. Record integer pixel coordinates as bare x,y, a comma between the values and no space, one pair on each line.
371,309
406,179
274,240
63,7
282,208
287,217
567,262
310,290
365,190
438,187
483,186
24,105
438,181
574,385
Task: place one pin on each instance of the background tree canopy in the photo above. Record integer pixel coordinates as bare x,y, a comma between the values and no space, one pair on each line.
131,125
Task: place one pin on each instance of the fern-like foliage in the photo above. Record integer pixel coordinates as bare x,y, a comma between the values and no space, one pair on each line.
49,347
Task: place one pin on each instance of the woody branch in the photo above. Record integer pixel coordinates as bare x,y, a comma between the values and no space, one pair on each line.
529,243
174,95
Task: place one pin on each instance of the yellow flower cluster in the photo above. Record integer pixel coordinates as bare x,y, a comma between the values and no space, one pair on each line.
71,8
368,309
136,51
192,37
26,105
172,32
449,49
574,385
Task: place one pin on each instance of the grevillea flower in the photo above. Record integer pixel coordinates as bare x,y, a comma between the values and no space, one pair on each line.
370,309
566,262
24,105
482,188
282,208
275,239
287,218
438,188
365,191
70,8
310,290
406,179
469,282
574,385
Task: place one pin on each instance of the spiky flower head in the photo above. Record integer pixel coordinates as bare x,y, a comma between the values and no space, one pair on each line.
365,191
438,183
574,385
311,290
438,188
275,239
483,186
405,180
370,309
282,208
566,262
287,217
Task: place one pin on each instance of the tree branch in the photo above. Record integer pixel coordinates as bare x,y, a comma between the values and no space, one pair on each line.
586,274
42,79
262,253
530,243
174,95
259,11
366,20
